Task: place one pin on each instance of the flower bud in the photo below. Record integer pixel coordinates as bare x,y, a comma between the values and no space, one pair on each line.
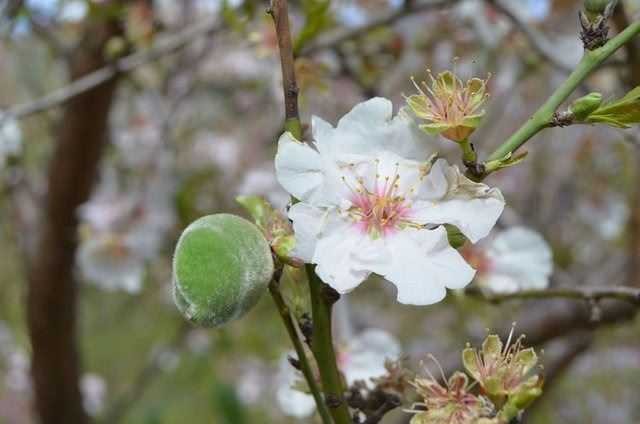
584,106
221,266
596,7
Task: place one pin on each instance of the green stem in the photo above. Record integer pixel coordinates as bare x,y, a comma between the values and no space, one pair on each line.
305,367
468,153
322,346
590,61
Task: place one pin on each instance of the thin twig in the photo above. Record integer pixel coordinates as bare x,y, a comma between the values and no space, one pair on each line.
280,15
629,294
145,377
128,63
411,8
537,41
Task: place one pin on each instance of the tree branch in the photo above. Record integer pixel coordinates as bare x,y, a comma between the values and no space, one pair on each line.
102,75
52,288
411,8
280,15
628,294
542,46
541,118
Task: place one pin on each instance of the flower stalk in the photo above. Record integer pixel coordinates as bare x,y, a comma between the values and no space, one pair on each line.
305,366
322,346
543,116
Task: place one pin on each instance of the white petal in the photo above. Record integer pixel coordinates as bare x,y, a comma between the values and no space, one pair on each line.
424,265
299,168
370,127
295,403
292,402
110,264
321,129
435,185
308,222
344,255
522,256
472,207
365,356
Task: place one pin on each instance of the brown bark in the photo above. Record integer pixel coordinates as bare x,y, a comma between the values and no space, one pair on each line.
52,290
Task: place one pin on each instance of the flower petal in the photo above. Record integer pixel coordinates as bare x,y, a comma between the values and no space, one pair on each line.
520,260
345,256
307,225
299,168
370,127
366,354
472,207
424,265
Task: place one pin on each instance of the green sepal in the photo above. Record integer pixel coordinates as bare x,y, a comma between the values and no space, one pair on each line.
507,161
274,225
455,236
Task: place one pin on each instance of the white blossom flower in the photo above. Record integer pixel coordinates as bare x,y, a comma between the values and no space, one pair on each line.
121,231
261,181
371,202
515,259
362,358
10,139
94,393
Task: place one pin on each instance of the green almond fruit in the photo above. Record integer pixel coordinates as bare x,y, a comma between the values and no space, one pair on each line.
221,266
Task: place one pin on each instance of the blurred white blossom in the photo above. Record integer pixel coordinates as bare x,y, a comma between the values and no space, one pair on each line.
94,393
10,139
261,181
607,215
513,260
371,202
122,231
360,359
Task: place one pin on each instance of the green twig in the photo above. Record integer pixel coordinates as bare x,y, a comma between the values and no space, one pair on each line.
541,119
322,300
305,367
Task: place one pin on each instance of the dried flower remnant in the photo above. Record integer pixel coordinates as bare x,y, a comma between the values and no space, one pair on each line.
504,371
451,403
449,106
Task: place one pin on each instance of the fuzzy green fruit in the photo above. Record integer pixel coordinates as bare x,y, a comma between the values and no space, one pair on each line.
221,267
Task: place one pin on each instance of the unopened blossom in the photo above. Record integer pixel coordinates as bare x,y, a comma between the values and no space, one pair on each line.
451,403
515,259
503,370
371,201
363,358
449,106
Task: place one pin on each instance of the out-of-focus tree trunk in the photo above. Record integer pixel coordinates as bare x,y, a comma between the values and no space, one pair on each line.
52,288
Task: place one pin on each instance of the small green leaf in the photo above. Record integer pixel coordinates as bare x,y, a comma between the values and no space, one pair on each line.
221,266
620,113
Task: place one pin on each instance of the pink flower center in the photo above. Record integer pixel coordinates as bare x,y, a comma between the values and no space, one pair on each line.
382,210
